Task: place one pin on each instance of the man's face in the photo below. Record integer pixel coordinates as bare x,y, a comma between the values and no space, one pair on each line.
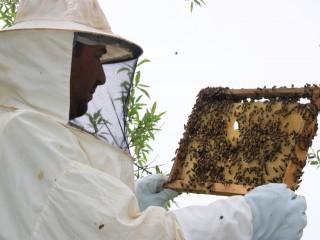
86,74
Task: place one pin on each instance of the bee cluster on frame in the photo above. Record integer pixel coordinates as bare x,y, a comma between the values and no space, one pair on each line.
235,140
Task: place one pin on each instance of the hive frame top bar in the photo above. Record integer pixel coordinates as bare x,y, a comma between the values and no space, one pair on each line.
309,91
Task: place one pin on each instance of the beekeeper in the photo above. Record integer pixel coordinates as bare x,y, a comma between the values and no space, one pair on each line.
59,182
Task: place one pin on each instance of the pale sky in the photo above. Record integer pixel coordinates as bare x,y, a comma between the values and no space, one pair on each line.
228,43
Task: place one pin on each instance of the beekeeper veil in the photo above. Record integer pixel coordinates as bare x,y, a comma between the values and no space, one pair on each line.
107,111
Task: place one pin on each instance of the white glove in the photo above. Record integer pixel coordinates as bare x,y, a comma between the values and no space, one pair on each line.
277,212
150,191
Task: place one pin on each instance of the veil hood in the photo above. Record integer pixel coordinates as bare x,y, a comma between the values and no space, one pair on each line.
36,52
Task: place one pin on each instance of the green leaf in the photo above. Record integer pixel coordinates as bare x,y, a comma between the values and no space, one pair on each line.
143,61
314,163
123,69
145,86
144,91
158,169
168,205
152,135
311,155
160,115
137,79
153,109
149,147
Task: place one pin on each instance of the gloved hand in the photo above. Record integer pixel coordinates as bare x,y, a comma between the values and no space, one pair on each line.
277,212
150,191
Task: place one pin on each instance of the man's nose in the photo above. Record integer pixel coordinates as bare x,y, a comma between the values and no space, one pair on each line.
101,75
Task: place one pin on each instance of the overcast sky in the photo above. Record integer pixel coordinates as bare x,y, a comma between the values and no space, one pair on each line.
229,43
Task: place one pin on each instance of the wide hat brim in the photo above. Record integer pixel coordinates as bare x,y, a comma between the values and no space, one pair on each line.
119,49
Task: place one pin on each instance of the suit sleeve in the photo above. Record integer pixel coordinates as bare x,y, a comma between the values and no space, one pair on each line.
223,219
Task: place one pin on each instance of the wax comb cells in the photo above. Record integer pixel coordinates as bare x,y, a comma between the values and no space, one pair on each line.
235,140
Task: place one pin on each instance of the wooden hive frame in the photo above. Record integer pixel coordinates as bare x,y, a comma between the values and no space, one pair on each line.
269,143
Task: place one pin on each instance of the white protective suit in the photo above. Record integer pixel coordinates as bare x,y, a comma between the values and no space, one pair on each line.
58,182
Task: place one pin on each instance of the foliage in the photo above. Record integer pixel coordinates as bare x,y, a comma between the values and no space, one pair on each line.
8,10
196,2
142,122
97,122
314,157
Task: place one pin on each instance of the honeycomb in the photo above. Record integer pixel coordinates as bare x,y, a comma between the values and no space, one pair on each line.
233,143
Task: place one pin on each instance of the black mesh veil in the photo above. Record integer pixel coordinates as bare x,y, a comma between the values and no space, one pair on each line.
107,111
